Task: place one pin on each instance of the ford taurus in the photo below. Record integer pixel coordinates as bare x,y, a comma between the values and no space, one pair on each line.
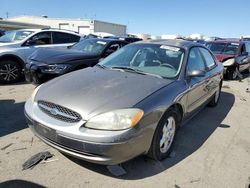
129,104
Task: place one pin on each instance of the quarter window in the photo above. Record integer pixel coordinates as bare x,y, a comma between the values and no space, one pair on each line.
208,58
195,61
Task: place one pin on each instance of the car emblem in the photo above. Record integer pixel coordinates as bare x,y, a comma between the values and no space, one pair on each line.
54,111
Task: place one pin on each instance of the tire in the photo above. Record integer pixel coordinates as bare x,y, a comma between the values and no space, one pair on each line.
159,151
232,73
214,101
10,72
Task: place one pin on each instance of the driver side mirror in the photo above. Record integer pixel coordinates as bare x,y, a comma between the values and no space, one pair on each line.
196,73
30,42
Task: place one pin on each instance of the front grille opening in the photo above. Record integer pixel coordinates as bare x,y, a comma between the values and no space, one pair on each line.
59,112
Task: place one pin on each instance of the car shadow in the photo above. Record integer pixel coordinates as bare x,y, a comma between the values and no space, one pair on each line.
19,183
189,138
11,117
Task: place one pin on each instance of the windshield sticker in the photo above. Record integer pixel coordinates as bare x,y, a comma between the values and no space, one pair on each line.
101,42
235,44
170,48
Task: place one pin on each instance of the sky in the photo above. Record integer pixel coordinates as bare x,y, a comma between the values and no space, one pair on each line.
223,18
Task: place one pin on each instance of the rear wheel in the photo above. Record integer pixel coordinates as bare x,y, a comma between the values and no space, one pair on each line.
10,72
164,136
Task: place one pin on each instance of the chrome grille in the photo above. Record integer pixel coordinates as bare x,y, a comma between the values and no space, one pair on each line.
59,112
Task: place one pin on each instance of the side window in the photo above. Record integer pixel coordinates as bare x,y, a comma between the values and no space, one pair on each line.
75,38
195,61
113,48
208,58
42,38
243,49
60,38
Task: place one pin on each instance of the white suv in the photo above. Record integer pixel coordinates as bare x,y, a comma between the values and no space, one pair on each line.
16,46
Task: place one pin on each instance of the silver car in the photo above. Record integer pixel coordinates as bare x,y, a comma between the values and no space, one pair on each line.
16,46
129,104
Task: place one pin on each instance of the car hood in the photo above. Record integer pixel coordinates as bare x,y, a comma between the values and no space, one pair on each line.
95,90
222,57
52,56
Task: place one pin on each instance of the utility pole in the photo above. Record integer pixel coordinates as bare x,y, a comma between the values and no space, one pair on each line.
7,14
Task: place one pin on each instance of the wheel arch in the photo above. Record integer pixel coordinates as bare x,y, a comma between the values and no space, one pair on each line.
13,58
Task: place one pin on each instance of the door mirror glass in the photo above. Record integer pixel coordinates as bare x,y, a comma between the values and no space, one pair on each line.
196,73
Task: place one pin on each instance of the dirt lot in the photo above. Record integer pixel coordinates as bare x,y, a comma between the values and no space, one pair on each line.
212,150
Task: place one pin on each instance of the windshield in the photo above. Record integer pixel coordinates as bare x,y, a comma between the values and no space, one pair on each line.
12,36
90,46
164,61
224,48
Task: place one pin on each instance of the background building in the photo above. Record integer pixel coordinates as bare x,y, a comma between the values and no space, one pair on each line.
83,26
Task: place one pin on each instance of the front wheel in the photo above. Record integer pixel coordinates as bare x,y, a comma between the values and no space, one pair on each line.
164,136
10,72
232,73
214,101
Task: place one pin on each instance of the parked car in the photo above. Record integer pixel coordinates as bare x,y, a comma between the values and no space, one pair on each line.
45,64
16,46
234,55
129,104
127,39
2,32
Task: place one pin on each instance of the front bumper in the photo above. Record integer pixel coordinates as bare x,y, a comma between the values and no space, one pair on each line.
101,153
34,75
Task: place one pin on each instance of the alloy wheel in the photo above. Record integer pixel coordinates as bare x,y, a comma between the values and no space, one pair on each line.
9,72
168,132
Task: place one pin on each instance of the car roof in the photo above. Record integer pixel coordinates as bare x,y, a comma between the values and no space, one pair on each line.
106,40
172,42
225,41
48,29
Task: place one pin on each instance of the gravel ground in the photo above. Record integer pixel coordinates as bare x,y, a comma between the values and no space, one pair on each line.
212,150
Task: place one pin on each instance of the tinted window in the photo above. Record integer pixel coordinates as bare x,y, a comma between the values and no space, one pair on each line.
247,47
231,49
42,38
60,38
195,61
216,47
208,57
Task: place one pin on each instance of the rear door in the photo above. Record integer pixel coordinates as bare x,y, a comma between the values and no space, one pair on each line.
213,78
63,40
197,85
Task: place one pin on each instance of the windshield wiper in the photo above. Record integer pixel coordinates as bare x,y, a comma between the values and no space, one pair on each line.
135,71
101,66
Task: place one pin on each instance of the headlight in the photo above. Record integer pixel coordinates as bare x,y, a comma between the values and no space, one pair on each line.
56,68
116,120
228,62
34,93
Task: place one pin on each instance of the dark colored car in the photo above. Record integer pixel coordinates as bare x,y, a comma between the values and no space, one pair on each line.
129,104
127,39
45,64
234,55
2,32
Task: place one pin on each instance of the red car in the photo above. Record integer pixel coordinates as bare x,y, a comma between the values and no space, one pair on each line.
234,55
